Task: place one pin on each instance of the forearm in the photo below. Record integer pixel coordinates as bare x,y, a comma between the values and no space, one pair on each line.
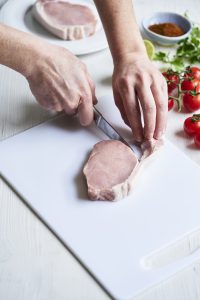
18,50
121,27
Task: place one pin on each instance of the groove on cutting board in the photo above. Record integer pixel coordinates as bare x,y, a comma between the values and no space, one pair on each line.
173,252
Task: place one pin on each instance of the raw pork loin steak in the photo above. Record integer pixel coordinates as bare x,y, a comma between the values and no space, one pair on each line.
64,19
112,166
110,170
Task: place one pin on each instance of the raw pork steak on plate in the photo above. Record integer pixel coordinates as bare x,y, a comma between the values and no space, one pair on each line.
66,20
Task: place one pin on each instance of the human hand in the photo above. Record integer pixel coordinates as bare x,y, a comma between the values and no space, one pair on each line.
60,81
139,87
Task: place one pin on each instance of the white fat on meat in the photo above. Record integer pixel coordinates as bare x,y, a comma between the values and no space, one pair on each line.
65,20
112,167
150,147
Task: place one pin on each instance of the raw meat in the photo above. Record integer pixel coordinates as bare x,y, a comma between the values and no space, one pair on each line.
64,19
110,170
112,166
150,147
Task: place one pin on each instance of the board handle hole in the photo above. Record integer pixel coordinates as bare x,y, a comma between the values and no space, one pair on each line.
186,246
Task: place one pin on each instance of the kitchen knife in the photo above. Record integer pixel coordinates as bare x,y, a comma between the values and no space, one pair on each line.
107,128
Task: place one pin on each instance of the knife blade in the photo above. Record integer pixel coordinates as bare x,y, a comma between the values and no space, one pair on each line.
112,133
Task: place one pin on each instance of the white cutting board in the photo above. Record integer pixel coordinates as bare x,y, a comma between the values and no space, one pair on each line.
44,165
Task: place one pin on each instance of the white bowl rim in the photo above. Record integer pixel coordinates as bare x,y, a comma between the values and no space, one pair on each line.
167,38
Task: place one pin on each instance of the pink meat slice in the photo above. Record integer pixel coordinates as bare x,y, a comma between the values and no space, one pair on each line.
112,166
64,19
110,170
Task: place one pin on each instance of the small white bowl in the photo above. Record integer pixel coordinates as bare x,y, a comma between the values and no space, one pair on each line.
166,17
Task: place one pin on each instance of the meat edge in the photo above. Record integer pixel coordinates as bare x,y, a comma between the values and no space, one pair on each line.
115,193
123,189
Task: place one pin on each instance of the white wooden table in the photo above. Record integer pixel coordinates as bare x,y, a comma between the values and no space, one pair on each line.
33,263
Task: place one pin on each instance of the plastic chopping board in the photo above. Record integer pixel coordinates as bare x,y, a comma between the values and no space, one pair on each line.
44,165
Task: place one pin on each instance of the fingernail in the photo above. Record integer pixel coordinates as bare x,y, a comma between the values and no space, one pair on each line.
149,137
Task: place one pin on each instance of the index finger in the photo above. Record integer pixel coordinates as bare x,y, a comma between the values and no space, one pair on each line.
85,107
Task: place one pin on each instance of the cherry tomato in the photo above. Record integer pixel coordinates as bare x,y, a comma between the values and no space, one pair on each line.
192,125
193,72
170,104
197,140
190,102
174,80
190,85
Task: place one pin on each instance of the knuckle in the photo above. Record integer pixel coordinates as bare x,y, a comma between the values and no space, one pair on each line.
72,106
148,135
124,81
86,96
142,77
71,94
149,108
161,106
48,102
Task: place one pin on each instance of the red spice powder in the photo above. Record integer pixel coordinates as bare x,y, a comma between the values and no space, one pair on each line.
167,29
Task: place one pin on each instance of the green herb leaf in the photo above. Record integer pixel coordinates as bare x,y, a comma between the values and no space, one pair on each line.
161,56
177,62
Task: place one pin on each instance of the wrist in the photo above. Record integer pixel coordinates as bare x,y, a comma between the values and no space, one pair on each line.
32,54
130,56
18,50
134,48
28,66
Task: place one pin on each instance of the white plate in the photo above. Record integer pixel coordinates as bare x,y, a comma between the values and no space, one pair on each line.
17,14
